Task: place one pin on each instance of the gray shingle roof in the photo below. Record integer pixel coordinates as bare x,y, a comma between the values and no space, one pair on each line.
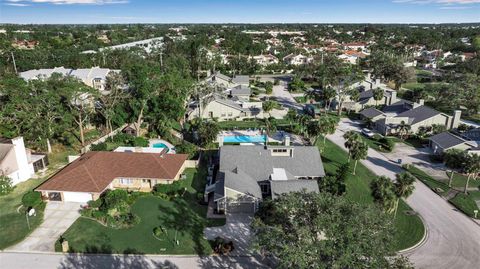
241,80
419,114
243,167
280,187
371,112
447,140
240,90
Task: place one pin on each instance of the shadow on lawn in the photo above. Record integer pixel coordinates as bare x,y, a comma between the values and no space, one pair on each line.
183,219
93,261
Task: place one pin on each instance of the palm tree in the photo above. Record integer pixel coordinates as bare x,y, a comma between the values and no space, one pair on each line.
377,95
403,187
471,166
327,126
453,160
359,151
313,131
403,129
351,138
268,106
383,192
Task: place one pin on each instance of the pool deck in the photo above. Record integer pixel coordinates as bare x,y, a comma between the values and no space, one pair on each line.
276,137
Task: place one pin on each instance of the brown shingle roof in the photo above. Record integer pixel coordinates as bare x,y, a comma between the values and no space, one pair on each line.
95,170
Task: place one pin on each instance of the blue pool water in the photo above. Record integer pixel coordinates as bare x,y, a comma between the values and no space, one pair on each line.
161,145
244,139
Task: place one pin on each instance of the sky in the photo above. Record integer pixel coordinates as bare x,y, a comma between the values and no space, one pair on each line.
238,11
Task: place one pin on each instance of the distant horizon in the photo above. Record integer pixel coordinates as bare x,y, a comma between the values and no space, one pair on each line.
247,23
90,12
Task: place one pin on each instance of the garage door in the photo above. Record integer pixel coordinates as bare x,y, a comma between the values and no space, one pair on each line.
241,207
79,197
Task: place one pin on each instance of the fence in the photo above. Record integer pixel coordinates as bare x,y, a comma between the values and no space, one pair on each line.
103,138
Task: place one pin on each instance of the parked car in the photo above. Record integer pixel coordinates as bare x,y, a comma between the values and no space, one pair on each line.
367,132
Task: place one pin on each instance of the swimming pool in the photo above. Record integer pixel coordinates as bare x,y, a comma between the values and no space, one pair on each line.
161,145
244,139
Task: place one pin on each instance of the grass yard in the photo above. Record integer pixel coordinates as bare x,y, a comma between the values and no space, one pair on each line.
437,186
409,227
459,181
466,203
13,225
182,216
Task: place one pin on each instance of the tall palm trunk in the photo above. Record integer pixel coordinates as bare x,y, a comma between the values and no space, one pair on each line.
466,184
355,167
450,179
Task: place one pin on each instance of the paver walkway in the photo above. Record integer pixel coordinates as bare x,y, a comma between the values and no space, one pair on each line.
58,217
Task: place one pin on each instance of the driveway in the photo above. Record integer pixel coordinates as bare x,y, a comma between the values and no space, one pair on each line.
57,218
453,239
236,229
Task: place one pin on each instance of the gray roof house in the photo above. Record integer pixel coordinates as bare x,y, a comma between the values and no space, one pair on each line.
442,142
248,174
414,114
241,92
221,107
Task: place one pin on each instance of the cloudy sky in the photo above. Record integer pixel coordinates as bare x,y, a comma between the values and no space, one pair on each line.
239,11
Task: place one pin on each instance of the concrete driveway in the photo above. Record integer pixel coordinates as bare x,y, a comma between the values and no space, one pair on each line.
236,229
453,239
57,218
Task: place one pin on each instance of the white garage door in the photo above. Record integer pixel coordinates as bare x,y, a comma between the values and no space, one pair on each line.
79,197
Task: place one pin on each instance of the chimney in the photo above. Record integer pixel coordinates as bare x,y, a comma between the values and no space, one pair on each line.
421,102
377,82
456,118
393,97
286,140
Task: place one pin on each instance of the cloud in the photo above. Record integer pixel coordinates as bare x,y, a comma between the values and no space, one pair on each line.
22,3
443,4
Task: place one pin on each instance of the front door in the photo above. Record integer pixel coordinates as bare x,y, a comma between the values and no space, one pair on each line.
54,196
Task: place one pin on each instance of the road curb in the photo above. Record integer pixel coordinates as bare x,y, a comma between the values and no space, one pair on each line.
419,243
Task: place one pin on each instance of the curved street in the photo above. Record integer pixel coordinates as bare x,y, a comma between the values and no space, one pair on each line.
453,239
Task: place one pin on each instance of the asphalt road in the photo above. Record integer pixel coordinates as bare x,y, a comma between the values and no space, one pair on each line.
453,240
92,261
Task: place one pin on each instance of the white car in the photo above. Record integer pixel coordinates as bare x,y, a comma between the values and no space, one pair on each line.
368,133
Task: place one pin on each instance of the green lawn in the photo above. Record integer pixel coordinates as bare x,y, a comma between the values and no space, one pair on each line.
183,216
409,228
437,186
300,99
13,225
466,203
459,181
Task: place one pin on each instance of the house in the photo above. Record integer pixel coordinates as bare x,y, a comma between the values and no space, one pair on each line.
249,174
218,106
366,98
413,114
241,80
359,46
352,56
298,59
17,162
265,60
442,142
25,44
94,77
88,176
131,129
220,79
241,92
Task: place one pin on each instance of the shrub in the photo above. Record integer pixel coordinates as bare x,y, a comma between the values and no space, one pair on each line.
388,144
221,247
114,199
376,137
99,147
169,189
159,231
140,142
6,186
133,196
187,148
95,203
162,196
31,199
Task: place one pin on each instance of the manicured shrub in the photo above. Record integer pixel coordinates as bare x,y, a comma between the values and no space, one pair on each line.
159,231
31,199
187,148
222,247
95,203
114,199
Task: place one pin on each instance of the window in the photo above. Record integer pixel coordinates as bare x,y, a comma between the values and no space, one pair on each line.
223,114
126,181
280,150
265,188
230,114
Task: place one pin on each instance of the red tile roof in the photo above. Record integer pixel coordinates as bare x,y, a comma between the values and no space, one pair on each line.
95,170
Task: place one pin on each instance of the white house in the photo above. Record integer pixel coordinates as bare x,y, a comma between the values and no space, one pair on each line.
265,60
17,162
298,59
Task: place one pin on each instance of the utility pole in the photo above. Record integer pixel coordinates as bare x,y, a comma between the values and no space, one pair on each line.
14,64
